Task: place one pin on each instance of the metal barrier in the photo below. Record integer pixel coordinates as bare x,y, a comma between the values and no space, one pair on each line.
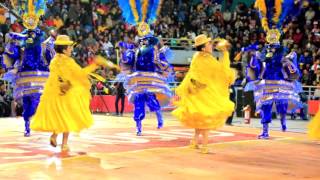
309,90
110,84
172,86
178,43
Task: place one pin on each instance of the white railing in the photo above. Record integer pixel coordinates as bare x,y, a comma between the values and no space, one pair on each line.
309,90
110,83
178,43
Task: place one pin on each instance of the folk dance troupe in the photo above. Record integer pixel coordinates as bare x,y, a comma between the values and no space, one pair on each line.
55,90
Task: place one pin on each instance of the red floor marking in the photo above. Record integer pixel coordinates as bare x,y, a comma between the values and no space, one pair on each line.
18,148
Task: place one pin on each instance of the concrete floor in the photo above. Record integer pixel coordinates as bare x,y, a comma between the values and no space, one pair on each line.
110,150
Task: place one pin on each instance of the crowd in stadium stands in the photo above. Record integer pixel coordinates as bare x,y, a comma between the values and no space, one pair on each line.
100,24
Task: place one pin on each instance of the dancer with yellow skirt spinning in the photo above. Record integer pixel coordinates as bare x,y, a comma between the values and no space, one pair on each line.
64,104
204,93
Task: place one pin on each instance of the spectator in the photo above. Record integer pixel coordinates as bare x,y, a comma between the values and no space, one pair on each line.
306,78
71,32
316,94
57,21
303,112
5,28
232,97
5,101
16,26
309,15
314,69
90,41
2,16
297,37
306,58
227,16
50,21
120,95
106,46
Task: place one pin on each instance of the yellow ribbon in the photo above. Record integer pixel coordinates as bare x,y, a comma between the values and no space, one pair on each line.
144,10
98,77
134,10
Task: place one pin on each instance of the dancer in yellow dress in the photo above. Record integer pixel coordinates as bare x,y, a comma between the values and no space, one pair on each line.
204,93
64,104
314,127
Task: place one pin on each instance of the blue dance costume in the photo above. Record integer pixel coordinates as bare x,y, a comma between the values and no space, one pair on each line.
272,75
146,85
32,69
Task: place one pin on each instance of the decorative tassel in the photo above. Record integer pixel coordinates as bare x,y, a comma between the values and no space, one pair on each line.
37,7
40,7
261,6
159,7
30,6
289,9
14,3
238,56
144,10
265,24
278,9
149,10
134,10
154,11
270,12
127,12
276,12
137,11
